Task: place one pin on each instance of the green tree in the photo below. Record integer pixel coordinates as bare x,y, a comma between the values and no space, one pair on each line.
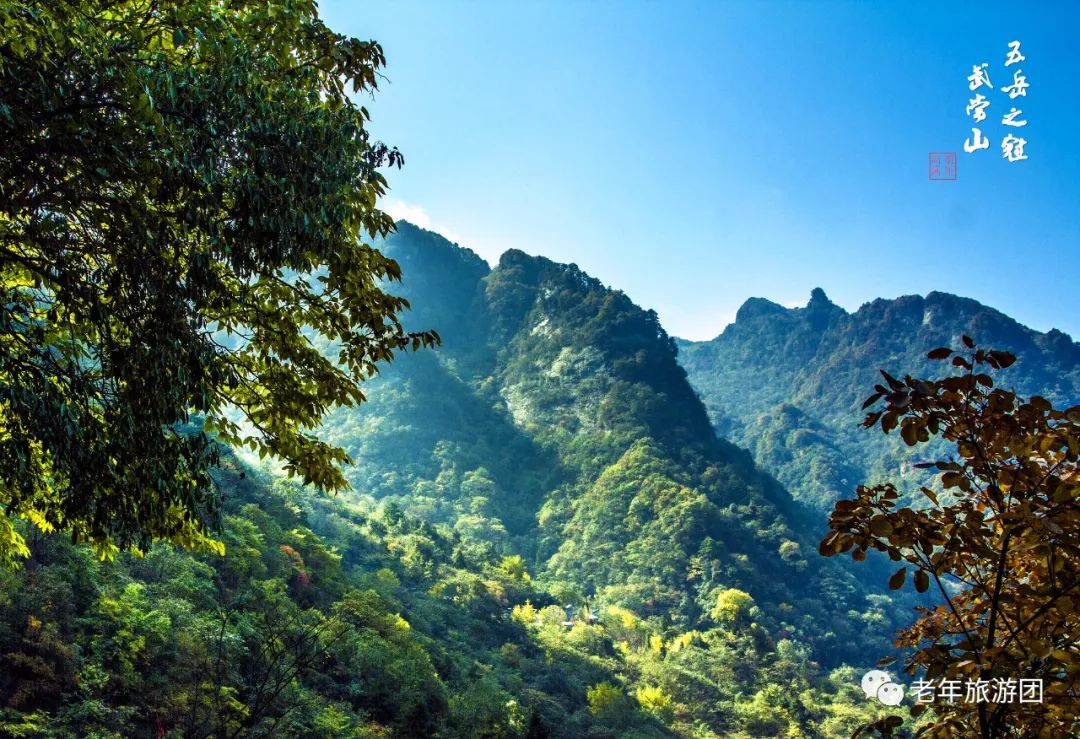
513,567
998,545
733,608
605,698
185,190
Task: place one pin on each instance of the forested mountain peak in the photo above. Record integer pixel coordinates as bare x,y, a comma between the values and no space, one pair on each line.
549,459
817,314
273,465
433,248
556,423
818,296
443,279
755,308
823,362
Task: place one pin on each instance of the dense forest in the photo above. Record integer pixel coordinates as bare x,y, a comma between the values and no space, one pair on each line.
321,620
544,537
555,422
272,464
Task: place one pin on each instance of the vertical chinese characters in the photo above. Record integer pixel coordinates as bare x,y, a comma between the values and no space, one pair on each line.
977,106
1012,145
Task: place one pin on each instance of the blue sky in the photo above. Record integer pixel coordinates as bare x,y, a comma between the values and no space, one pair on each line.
697,154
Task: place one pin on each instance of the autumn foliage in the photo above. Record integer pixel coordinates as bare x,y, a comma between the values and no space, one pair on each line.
997,543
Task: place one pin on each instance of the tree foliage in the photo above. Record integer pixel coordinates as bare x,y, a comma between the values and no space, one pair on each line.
440,609
996,541
185,190
393,633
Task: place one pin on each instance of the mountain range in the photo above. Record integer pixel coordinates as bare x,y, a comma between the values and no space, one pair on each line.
556,422
788,383
563,522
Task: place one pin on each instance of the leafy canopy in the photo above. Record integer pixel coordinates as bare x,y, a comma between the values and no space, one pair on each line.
184,192
998,545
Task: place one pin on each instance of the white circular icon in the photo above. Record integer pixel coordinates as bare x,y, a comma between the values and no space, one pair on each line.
891,694
879,684
873,680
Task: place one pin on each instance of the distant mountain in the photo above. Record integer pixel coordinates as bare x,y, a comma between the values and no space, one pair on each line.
788,384
556,422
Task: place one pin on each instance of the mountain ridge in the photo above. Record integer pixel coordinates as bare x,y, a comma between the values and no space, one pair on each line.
756,306
546,537
822,361
556,422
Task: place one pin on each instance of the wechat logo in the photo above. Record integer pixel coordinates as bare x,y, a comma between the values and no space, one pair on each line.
880,685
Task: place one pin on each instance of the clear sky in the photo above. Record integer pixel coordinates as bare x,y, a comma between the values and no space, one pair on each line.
697,154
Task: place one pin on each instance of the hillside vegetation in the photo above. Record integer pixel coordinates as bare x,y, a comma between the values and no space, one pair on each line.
788,383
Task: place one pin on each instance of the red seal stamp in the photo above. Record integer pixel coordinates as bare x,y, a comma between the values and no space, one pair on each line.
943,165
